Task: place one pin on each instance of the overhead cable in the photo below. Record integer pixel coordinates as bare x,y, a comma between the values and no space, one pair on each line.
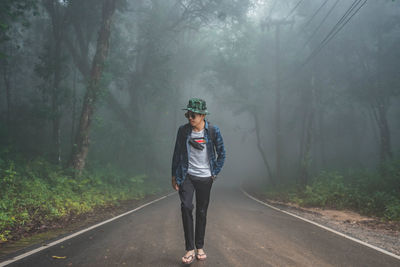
315,14
347,20
354,9
322,22
293,9
343,18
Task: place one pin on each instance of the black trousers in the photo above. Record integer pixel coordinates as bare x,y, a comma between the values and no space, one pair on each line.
202,187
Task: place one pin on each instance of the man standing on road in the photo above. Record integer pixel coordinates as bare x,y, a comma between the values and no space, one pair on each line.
194,169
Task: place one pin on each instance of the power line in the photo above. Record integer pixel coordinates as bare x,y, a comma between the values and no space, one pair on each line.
349,10
322,22
345,19
337,28
293,9
315,14
349,14
365,1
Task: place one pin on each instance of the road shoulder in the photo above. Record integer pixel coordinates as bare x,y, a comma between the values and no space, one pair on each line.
385,235
66,227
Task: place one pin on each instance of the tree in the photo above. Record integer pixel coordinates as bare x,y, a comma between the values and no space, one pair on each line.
82,138
239,66
378,81
52,68
10,12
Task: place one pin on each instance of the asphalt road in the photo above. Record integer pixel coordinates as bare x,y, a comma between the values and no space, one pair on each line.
240,232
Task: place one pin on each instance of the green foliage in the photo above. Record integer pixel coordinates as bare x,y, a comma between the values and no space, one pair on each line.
328,189
367,192
35,192
14,10
392,210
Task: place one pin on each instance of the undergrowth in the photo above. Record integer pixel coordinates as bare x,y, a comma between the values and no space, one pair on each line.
367,192
33,193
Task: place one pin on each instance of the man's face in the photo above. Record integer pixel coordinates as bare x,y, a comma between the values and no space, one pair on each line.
194,118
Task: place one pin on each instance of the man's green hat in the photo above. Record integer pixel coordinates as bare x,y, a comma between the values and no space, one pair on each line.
197,105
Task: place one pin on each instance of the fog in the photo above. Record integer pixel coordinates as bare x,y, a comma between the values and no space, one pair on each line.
296,87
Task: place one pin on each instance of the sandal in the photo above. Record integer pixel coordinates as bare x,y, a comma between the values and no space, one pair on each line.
186,258
201,257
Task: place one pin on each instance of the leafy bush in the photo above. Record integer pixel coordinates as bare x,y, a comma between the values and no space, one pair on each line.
392,210
328,189
371,193
35,192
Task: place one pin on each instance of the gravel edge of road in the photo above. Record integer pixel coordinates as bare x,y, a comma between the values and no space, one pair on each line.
388,240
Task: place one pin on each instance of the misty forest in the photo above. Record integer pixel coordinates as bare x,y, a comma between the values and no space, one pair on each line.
306,95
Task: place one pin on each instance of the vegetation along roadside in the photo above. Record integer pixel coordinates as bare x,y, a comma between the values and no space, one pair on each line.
372,193
37,197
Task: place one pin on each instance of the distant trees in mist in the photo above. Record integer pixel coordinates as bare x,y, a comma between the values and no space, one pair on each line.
337,108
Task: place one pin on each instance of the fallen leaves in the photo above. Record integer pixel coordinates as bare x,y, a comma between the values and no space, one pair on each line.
59,257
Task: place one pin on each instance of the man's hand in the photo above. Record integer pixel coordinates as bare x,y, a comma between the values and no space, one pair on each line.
174,184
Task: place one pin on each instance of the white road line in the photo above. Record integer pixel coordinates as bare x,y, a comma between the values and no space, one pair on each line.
16,258
324,227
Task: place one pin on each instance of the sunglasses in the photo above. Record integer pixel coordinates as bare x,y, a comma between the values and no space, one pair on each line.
190,114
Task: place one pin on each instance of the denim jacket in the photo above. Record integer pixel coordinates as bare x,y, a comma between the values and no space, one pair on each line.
180,160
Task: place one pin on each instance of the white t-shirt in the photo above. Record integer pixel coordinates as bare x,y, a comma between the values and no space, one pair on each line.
199,164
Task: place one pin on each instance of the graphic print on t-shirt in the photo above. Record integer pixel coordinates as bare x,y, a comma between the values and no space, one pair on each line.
199,164
200,140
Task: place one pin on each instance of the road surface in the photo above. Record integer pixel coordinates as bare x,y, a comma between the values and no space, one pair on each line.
240,232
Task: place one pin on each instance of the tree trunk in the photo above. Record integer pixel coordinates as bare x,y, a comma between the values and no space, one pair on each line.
306,156
307,133
278,107
7,85
381,106
261,150
73,114
81,146
384,133
321,132
379,115
304,109
56,116
58,30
